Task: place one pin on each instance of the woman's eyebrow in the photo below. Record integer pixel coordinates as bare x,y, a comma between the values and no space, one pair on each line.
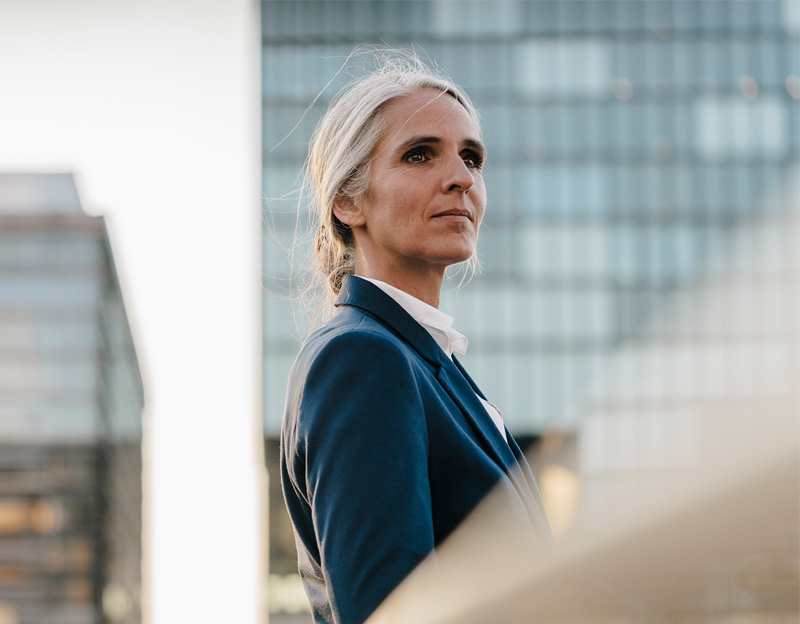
427,140
475,145
419,140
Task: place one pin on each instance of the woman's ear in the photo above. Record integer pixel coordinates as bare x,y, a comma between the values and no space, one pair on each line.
348,212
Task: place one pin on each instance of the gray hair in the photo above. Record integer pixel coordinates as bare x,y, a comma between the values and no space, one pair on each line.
342,148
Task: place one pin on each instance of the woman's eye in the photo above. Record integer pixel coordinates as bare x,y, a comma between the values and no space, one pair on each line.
416,157
473,161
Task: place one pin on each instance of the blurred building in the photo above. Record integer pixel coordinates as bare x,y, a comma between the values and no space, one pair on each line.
71,402
631,145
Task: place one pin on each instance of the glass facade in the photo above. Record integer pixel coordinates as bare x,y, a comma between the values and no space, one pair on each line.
632,145
71,402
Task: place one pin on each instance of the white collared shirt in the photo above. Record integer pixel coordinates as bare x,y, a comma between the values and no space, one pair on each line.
440,326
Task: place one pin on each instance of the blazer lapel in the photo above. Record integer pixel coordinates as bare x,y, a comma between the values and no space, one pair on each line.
462,391
362,294
519,471
454,379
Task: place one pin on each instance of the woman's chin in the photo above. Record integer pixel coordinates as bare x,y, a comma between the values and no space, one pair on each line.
457,259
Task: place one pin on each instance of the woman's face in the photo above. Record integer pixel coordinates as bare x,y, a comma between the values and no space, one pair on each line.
426,195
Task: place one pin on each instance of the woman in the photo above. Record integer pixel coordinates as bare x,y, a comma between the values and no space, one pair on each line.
387,444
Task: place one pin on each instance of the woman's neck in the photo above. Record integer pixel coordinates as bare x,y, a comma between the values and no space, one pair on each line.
426,287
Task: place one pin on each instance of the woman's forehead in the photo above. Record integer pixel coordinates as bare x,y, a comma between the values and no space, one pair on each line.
427,112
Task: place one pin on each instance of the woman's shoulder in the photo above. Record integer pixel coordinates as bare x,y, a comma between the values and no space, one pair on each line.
351,335
340,361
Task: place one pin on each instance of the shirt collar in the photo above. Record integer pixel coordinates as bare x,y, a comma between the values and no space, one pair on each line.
438,324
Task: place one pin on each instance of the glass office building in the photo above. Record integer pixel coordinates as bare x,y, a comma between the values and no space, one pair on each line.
71,402
628,141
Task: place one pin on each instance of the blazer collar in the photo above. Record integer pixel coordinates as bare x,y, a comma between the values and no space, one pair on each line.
366,296
362,294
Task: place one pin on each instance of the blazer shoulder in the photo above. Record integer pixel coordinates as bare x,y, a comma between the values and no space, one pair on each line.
342,365
349,336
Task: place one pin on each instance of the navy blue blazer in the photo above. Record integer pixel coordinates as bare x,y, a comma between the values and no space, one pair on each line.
385,449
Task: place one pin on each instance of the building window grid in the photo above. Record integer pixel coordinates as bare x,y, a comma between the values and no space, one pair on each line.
337,19
663,40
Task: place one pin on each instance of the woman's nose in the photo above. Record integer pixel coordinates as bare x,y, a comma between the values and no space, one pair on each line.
458,176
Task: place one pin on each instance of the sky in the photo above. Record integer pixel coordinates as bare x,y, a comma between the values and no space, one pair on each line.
154,106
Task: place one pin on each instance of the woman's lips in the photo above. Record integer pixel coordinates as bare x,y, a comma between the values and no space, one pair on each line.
454,214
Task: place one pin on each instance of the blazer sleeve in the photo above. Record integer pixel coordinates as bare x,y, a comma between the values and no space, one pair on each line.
362,437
